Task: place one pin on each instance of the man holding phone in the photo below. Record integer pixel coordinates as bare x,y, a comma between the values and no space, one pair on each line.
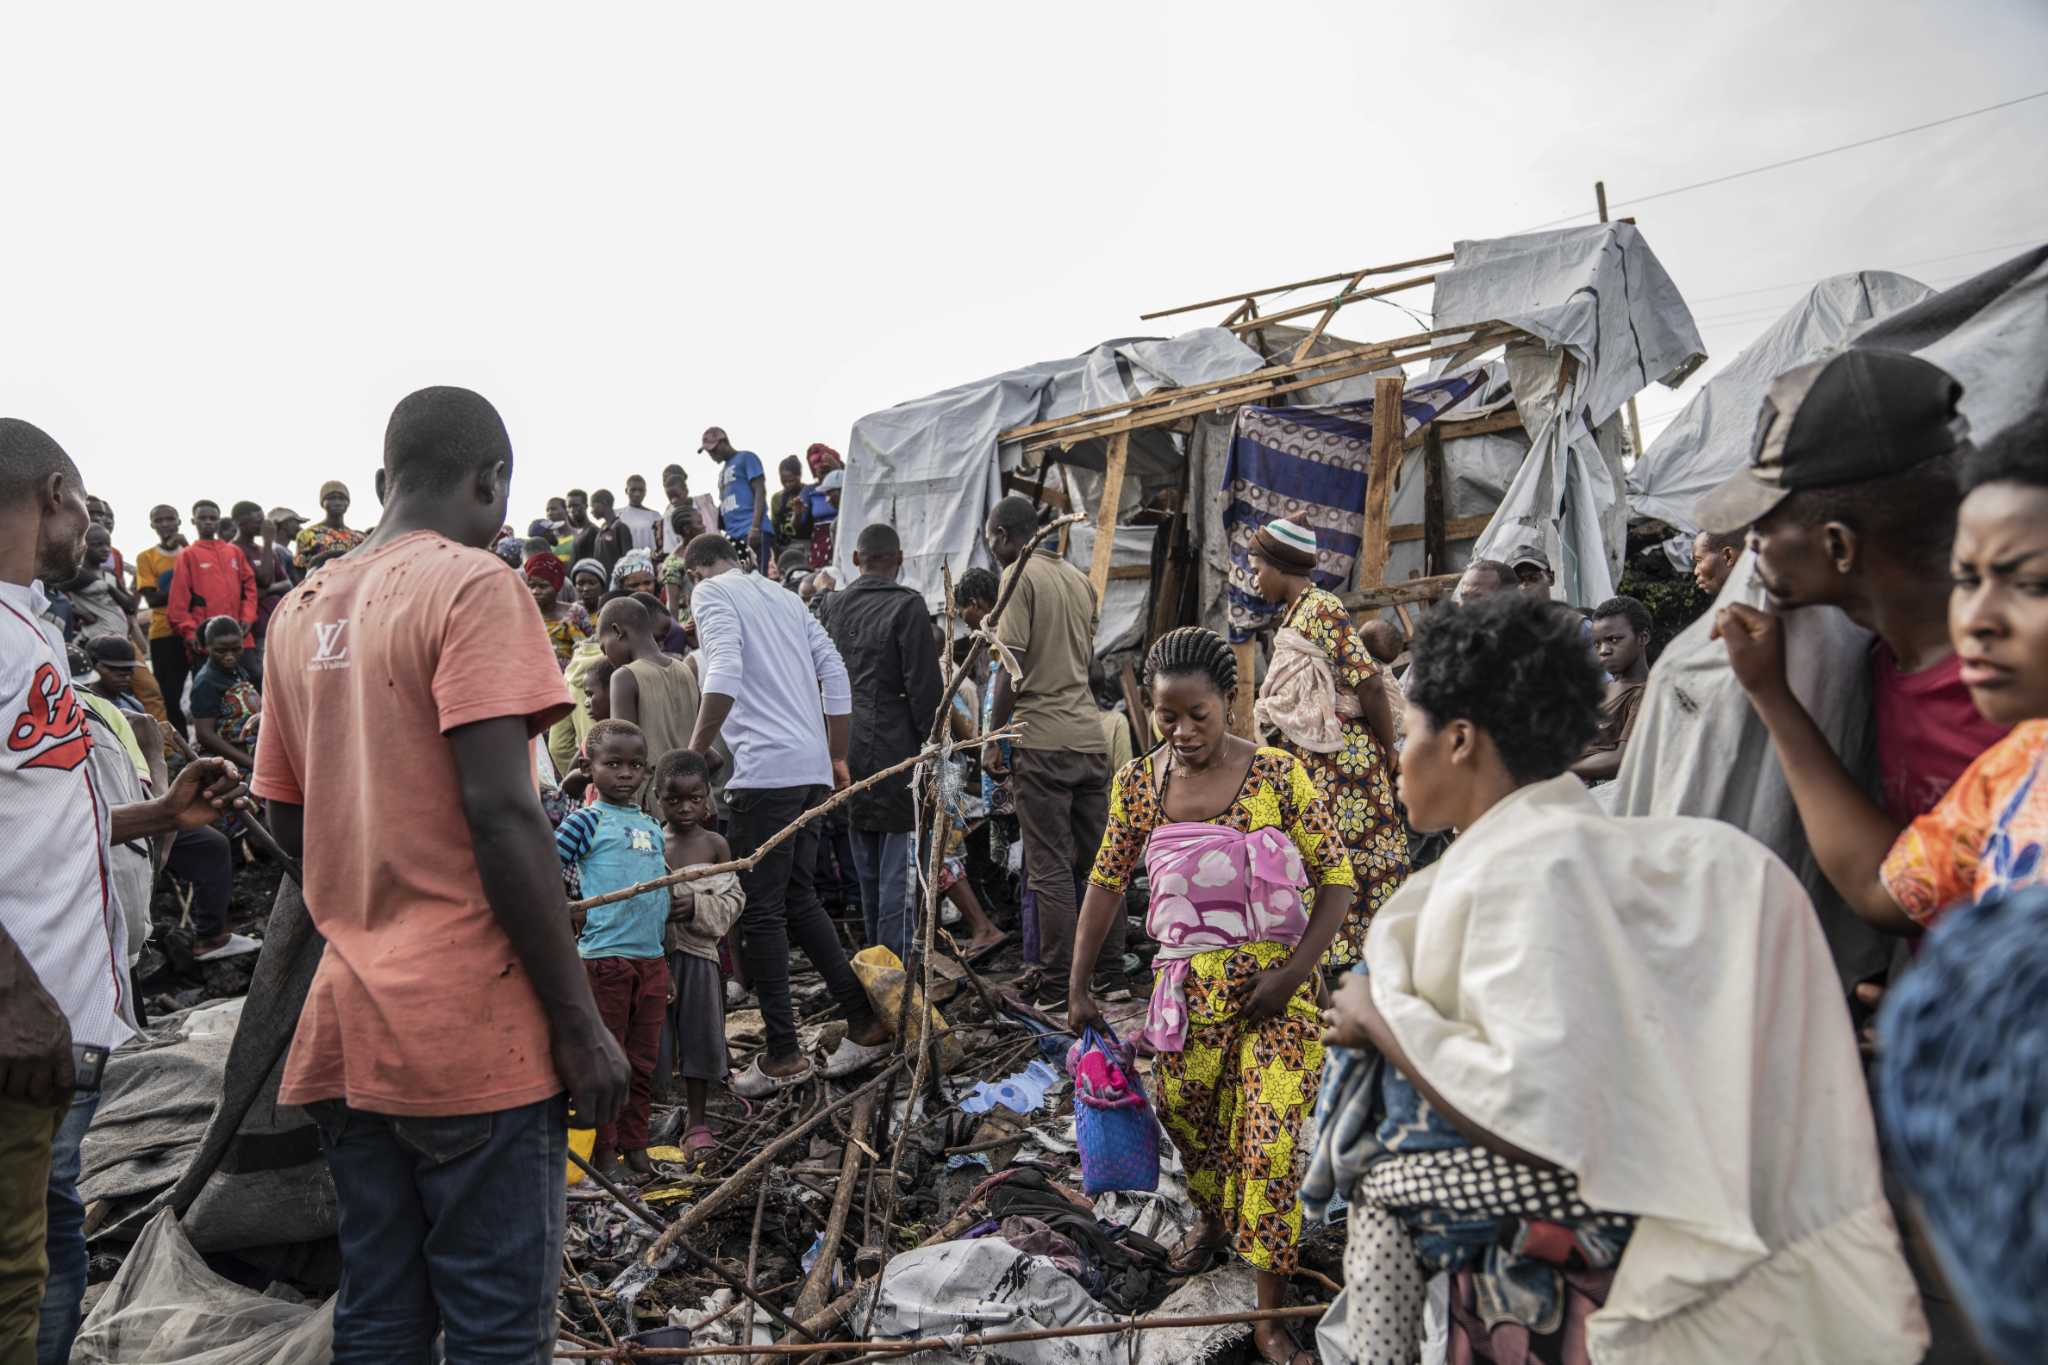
65,998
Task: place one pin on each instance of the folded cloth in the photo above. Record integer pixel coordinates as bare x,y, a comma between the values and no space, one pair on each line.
1300,698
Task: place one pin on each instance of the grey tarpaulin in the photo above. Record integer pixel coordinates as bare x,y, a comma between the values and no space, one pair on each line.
1699,749
1710,438
1604,321
931,468
166,1308
986,1285
250,1133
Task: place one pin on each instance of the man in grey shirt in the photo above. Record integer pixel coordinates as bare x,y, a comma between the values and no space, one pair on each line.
776,689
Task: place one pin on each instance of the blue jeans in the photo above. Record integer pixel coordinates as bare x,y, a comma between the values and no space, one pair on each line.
449,1224
882,862
65,1238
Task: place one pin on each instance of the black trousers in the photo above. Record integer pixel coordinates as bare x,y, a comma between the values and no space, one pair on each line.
782,904
203,857
168,661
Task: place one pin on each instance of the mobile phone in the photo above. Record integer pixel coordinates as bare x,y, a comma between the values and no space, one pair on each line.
88,1061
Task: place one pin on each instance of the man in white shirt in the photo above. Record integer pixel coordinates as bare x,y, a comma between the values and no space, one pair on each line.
776,689
63,946
642,520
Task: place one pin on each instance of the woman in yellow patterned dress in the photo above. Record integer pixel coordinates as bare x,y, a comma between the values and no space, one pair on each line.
1355,778
1237,847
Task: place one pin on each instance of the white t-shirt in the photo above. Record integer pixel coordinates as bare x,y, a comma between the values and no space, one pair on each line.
641,521
56,896
762,647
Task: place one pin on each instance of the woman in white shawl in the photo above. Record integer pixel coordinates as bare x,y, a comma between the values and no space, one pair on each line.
1603,1076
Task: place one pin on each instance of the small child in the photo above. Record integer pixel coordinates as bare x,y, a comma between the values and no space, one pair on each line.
703,911
614,844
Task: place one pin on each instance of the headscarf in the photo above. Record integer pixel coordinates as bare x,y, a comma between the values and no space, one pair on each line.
631,562
1288,544
333,486
1964,1097
821,458
591,567
547,567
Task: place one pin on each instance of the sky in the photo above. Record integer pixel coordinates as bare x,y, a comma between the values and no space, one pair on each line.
236,235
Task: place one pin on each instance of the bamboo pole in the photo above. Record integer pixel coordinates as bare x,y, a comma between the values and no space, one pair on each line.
1389,429
1105,515
1301,284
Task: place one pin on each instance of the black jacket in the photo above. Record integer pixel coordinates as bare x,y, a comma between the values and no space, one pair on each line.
885,636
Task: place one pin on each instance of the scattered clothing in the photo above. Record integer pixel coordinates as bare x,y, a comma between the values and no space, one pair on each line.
1984,839
1022,1093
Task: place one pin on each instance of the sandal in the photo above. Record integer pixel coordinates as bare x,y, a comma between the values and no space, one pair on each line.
1190,1257
850,1057
699,1142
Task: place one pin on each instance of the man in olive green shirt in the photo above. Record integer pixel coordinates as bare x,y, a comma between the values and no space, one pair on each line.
1059,767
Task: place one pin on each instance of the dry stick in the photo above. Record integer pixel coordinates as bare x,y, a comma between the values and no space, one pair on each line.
588,1298
700,1212
648,1216
812,1296
968,1340
825,807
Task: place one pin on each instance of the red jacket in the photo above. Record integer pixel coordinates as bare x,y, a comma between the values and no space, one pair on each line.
211,578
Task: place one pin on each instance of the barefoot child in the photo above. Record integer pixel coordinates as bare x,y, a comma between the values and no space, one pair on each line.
614,845
702,912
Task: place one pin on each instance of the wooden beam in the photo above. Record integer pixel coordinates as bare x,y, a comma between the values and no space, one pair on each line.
1507,420
1124,573
1434,532
1389,429
1456,528
1247,690
1037,491
1301,284
1105,515
1308,343
1337,301
1414,590
1237,397
1141,716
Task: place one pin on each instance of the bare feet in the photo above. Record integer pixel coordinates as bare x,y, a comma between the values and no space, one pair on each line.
1275,1344
637,1162
1198,1250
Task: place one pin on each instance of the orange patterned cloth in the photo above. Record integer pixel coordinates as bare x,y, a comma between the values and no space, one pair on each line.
1984,838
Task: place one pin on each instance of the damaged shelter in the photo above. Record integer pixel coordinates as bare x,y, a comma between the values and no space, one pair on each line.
1511,436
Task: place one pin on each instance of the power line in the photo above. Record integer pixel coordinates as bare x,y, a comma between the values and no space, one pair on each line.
1795,160
1898,265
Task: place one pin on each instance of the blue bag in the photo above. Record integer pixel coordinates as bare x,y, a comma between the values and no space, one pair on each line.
1114,1125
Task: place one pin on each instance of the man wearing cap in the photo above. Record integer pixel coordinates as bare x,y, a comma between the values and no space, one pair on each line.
1532,572
287,524
742,492
331,536
1850,500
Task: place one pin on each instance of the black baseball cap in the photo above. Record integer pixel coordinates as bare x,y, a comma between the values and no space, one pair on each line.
1855,416
112,649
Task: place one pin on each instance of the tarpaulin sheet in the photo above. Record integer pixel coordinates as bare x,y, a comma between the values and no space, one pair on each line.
1309,465
1709,440
1604,321
931,467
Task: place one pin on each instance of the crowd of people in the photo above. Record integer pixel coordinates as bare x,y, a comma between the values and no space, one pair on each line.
1587,1082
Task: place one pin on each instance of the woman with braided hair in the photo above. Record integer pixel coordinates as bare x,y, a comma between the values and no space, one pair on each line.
1249,884
1324,701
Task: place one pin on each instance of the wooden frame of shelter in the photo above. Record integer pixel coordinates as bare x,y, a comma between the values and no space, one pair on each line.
1176,409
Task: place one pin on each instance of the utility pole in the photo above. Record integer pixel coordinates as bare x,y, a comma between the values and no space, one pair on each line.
1635,426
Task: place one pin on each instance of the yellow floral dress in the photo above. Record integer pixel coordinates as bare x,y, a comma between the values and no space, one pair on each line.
1356,781
1235,1097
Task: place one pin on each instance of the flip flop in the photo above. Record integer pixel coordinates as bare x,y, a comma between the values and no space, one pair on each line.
1188,1258
756,1084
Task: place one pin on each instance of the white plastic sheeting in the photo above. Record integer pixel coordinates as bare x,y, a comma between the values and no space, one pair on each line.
1604,321
986,1285
931,467
1709,441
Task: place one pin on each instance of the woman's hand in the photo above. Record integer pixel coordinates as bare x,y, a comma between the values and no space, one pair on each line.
1353,1020
1270,991
1084,1013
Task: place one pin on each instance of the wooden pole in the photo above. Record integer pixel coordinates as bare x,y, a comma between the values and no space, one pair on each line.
1434,549
1301,284
1336,301
1308,343
1389,430
811,1297
1247,691
1105,515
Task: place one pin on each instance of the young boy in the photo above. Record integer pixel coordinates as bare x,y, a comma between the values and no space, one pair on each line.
1621,641
614,844
702,912
227,703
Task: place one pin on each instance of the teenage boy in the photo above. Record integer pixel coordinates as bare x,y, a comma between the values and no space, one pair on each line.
650,688
449,1013
154,570
643,521
742,492
1621,642
212,579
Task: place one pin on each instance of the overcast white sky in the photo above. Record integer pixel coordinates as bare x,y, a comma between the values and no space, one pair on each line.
235,235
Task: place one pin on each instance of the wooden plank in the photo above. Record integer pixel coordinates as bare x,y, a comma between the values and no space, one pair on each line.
1142,732
1434,532
1407,621
1308,343
1247,689
1340,300
1036,490
1160,397
1414,590
1237,397
1507,420
1301,284
1388,430
1124,573
1105,515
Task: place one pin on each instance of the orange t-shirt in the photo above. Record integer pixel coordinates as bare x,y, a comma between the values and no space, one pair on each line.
420,1005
